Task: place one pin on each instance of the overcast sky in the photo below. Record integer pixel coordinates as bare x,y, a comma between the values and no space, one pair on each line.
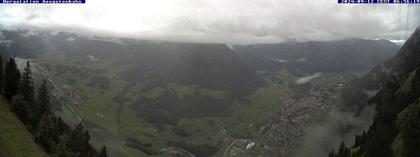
221,21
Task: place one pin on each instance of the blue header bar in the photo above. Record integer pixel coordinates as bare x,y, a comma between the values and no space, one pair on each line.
42,1
380,1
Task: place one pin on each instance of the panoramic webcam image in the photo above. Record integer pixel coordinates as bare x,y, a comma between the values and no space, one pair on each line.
209,78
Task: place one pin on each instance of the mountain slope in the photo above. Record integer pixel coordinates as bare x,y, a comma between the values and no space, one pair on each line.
394,131
15,140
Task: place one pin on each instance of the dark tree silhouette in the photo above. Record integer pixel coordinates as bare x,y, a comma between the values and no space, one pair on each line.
27,87
23,110
46,133
43,98
11,79
27,90
103,152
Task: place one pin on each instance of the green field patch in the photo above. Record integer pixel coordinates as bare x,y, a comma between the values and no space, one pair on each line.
192,90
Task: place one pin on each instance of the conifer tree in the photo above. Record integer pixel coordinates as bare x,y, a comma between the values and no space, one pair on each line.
331,154
27,90
343,151
63,128
75,141
87,148
23,110
43,98
62,151
103,152
11,79
46,135
27,87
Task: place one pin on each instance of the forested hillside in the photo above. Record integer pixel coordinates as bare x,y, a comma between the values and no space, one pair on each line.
36,124
15,139
394,132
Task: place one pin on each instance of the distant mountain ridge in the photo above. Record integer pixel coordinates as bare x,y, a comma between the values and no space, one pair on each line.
311,57
300,58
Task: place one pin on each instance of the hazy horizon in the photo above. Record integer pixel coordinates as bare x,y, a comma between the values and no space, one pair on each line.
221,21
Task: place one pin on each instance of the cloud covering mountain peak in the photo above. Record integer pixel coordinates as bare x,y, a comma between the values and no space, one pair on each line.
227,21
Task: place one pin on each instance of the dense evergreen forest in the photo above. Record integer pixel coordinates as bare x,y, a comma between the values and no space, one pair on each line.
33,108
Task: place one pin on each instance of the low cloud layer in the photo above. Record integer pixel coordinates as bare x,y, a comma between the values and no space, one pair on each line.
339,127
222,21
307,79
